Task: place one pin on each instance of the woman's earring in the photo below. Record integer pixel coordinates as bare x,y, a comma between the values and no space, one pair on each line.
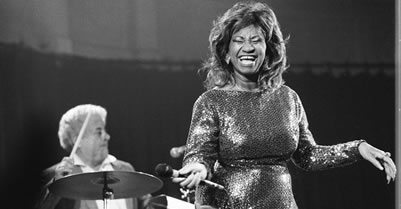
228,60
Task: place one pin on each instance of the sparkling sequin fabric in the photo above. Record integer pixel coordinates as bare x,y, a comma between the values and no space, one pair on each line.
245,139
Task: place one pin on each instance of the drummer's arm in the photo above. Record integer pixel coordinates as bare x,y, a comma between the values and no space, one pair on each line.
46,200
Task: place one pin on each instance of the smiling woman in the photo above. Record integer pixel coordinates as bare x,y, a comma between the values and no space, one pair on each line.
248,125
247,53
247,38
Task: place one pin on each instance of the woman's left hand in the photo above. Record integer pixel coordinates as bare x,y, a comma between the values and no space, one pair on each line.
194,172
379,158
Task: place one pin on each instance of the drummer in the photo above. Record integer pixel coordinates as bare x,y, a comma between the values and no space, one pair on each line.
91,154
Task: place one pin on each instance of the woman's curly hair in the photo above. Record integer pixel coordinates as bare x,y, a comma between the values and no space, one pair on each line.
241,15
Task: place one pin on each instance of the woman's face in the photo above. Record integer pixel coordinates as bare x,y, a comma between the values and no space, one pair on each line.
94,144
247,51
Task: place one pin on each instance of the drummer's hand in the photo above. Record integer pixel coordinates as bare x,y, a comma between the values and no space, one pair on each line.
64,167
194,173
144,201
380,159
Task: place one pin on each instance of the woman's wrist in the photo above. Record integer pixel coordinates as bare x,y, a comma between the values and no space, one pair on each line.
360,145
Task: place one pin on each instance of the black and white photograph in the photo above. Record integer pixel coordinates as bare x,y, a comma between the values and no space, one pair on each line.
200,104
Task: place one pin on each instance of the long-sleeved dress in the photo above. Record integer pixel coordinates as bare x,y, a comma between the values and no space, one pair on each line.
245,139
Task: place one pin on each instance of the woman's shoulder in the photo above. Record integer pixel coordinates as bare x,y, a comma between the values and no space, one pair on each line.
289,93
213,96
209,94
222,92
287,90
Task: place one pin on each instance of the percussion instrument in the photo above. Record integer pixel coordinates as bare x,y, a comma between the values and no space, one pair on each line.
105,185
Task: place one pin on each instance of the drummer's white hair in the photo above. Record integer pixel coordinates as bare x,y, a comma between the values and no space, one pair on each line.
72,121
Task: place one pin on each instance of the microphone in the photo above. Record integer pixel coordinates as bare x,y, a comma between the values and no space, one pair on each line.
177,152
164,170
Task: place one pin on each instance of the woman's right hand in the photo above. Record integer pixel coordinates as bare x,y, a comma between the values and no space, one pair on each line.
64,167
194,173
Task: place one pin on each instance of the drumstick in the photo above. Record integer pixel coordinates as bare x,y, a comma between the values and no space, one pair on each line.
81,132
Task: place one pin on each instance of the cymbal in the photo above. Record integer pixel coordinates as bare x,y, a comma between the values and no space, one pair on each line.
90,186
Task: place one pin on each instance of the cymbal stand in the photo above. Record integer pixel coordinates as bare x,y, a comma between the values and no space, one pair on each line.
108,193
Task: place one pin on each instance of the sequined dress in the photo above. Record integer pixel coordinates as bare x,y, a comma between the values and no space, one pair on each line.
245,139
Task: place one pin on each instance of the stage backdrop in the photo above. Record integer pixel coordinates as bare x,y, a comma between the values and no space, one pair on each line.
149,109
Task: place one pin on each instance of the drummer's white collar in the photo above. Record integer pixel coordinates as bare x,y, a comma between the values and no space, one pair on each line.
78,161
